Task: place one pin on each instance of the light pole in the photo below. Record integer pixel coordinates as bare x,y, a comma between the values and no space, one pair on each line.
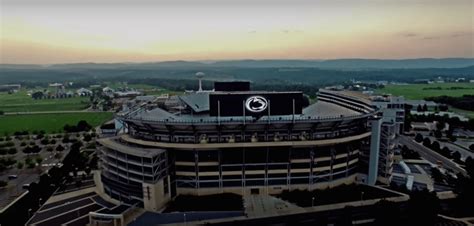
312,201
29,213
39,202
361,195
184,215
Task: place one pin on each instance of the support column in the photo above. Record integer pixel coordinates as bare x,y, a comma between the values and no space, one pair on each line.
376,123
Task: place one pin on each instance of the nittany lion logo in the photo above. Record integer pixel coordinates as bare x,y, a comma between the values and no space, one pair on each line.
256,104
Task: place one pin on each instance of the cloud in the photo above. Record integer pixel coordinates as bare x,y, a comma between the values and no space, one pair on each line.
461,34
288,31
408,34
431,37
448,36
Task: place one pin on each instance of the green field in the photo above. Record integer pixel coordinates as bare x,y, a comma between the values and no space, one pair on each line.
51,123
420,91
21,102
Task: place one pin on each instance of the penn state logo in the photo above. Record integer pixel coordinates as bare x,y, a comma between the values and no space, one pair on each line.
256,104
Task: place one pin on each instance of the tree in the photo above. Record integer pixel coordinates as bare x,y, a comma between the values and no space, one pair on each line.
12,151
59,148
419,138
19,165
435,146
3,183
440,125
39,160
469,162
87,170
27,150
419,108
471,147
83,126
45,141
425,108
384,212
87,137
423,207
457,156
436,175
427,142
438,134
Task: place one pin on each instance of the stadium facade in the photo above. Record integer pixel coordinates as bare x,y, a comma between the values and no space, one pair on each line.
236,140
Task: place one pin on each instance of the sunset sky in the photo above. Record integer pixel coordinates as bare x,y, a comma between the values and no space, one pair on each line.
66,31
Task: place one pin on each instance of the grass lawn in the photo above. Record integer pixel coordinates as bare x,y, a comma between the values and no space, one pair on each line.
21,102
420,91
50,123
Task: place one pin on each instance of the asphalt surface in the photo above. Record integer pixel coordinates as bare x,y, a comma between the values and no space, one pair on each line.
431,155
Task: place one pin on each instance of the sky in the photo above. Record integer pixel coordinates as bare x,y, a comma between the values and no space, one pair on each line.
70,31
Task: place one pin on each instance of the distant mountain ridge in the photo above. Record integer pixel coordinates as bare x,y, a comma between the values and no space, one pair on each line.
342,64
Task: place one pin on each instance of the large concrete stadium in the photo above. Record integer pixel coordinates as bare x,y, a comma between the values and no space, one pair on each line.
235,140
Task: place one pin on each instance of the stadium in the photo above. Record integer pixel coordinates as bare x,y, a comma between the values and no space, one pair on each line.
232,139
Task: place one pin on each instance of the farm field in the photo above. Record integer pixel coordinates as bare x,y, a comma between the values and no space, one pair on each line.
21,102
420,91
147,89
50,123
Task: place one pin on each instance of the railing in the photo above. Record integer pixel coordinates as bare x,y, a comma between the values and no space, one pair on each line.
241,120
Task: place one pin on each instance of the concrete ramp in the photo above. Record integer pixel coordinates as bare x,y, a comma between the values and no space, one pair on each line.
266,205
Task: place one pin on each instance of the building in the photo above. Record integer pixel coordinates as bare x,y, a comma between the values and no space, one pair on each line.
239,141
10,87
84,92
386,125
393,110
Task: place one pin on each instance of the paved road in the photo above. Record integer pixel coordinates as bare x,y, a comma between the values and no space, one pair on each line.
431,155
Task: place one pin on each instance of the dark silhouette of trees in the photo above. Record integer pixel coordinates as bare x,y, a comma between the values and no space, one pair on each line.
80,127
423,207
425,108
408,153
436,175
